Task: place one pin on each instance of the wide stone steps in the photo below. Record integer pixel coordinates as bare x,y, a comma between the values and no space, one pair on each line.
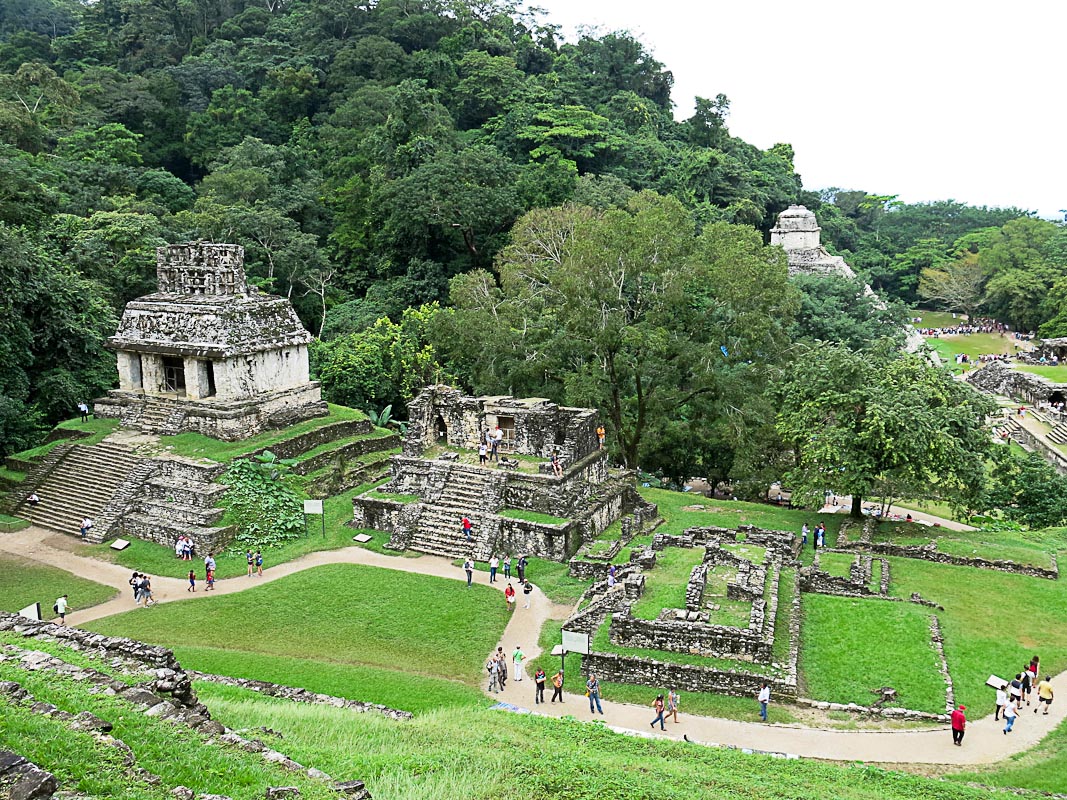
81,485
1058,434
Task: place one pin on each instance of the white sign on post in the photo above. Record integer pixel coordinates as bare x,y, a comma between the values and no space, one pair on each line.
312,506
32,611
575,642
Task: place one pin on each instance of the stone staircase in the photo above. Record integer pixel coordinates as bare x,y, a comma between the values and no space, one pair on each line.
83,482
159,415
180,497
457,491
1059,433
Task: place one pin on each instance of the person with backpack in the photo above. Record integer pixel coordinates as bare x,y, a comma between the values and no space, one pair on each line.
527,590
468,567
251,560
134,582
259,564
492,667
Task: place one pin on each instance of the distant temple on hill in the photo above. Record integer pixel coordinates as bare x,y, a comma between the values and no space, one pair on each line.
207,353
797,232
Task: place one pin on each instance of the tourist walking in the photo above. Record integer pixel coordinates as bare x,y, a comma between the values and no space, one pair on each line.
60,607
146,591
557,686
1011,710
494,562
192,581
467,526
468,567
659,706
483,453
502,667
672,705
521,566
495,440
527,589
209,577
804,535
507,566
764,697
1015,690
1002,700
134,582
592,691
517,658
1044,694
83,409
509,596
209,562
259,564
86,526
959,723
251,559
600,435
539,686
492,667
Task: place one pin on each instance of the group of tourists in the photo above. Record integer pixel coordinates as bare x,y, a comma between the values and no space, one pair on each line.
819,538
489,445
980,325
255,563
1019,691
184,548
141,585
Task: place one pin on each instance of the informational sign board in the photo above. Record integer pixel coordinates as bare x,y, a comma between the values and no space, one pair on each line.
574,642
32,611
996,682
312,506
120,544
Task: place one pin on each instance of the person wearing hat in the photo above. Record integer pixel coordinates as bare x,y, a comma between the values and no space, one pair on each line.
959,723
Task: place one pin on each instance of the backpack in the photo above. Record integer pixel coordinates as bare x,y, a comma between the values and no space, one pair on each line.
55,607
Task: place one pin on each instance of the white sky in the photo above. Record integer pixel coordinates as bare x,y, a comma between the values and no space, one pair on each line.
928,100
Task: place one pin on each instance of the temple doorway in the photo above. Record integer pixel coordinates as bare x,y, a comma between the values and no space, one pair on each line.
174,375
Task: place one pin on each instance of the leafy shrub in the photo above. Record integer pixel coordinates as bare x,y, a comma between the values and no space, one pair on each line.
268,511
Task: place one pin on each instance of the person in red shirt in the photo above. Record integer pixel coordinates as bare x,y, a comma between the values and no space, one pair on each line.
509,596
959,722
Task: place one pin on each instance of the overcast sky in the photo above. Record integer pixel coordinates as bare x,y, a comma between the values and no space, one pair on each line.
928,100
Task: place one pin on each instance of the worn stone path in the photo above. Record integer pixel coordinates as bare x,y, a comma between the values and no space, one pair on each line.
984,742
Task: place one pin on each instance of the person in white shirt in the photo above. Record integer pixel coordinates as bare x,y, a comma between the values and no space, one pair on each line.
1010,712
764,697
494,562
61,609
1002,700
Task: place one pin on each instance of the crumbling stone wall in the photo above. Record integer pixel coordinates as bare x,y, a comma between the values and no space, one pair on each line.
684,677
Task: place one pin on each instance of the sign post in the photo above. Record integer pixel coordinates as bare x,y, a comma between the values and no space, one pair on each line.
573,642
314,507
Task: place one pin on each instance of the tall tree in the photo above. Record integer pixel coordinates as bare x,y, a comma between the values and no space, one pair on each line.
881,423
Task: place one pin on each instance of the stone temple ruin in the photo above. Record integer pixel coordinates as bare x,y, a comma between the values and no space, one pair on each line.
207,353
797,232
438,480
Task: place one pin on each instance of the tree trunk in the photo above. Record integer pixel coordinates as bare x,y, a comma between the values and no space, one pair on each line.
857,506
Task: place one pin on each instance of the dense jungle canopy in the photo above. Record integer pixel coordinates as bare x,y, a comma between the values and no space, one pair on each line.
448,190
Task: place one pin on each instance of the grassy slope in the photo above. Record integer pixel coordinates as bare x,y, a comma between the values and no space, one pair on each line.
842,661
339,614
97,428
194,445
176,754
492,754
24,582
1024,547
1057,374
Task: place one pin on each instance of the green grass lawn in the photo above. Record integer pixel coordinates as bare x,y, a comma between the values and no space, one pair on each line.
9,524
934,319
24,582
1022,547
993,622
339,614
1057,374
842,655
665,584
195,445
678,509
97,428
485,755
839,564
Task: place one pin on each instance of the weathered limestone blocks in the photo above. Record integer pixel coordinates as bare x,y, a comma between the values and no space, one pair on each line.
22,780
